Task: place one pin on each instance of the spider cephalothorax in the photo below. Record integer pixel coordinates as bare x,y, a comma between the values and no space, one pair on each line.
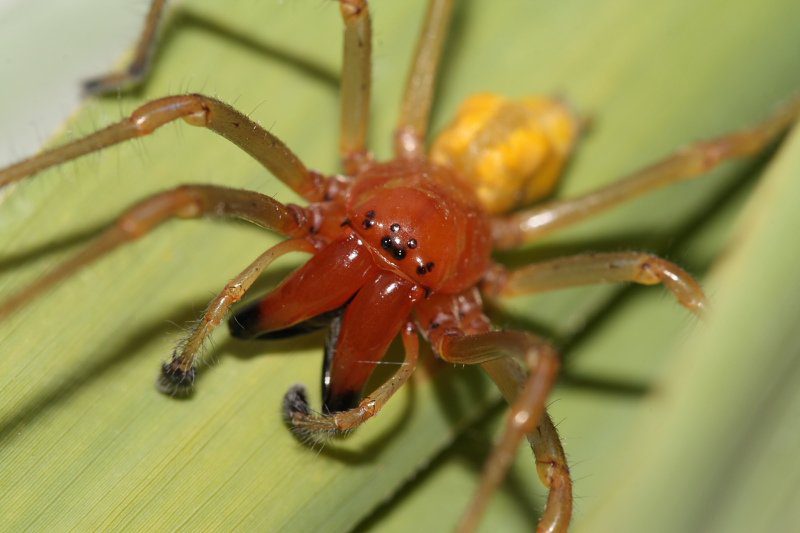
406,229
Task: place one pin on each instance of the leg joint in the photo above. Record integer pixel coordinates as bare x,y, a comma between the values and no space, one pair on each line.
194,109
352,9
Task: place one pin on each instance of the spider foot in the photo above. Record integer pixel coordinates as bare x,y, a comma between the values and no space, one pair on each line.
308,426
94,86
119,82
174,381
295,403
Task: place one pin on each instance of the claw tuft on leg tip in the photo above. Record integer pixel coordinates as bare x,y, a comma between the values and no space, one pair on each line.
175,382
295,402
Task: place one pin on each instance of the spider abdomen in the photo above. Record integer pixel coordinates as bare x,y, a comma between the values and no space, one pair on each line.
421,220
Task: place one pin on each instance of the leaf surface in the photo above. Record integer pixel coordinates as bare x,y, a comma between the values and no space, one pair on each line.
87,443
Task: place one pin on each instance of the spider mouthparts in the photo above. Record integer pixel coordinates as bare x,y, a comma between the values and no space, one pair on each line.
175,382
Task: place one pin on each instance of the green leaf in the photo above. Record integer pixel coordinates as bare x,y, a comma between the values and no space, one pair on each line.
724,421
87,443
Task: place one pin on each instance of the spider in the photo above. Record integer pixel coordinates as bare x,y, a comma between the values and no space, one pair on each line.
409,241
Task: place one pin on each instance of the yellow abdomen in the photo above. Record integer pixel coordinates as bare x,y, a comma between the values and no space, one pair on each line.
511,151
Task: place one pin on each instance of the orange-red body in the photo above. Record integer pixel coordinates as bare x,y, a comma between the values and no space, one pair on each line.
392,238
399,248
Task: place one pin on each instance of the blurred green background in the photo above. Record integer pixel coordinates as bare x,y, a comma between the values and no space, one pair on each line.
670,424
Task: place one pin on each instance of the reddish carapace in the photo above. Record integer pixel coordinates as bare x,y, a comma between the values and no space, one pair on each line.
401,232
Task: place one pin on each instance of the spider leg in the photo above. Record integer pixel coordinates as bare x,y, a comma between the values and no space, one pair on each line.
586,269
551,462
498,353
559,273
528,225
356,74
311,425
187,201
177,375
197,110
416,105
139,65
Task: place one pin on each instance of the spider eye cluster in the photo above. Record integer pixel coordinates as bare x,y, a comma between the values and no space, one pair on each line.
394,247
398,242
421,221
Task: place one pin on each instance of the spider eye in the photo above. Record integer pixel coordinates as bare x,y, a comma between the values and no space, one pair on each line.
393,246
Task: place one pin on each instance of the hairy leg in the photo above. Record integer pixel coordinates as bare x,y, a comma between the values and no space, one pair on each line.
356,83
418,97
497,352
551,462
314,426
188,201
196,110
587,269
177,376
355,75
139,66
531,224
